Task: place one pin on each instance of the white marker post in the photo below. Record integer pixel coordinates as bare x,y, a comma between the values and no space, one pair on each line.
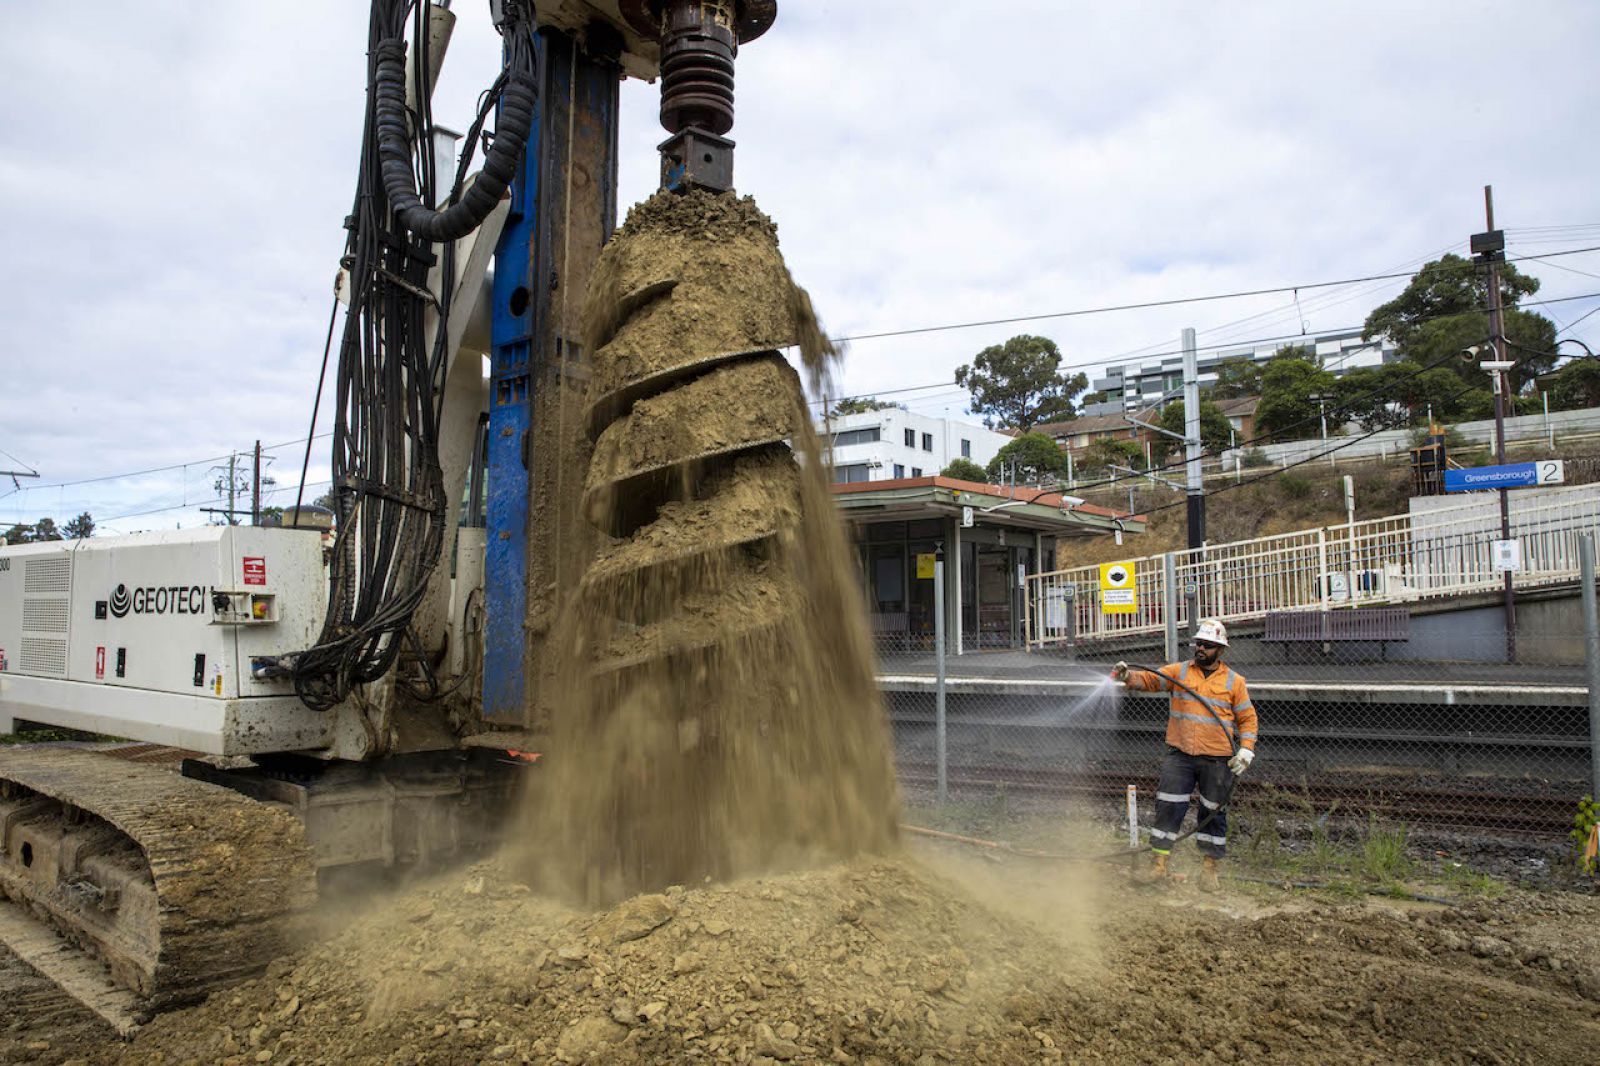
1133,816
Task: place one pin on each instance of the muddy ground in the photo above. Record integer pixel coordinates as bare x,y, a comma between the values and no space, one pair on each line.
940,955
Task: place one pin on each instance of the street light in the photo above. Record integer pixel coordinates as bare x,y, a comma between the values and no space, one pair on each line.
1322,415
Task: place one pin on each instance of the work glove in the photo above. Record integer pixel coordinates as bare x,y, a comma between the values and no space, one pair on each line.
1241,761
1119,672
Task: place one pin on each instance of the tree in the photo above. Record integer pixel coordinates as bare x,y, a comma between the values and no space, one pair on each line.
1361,395
1106,452
1032,458
19,534
45,529
1215,429
1576,385
1444,309
1019,384
964,470
1288,382
80,528
859,405
1239,376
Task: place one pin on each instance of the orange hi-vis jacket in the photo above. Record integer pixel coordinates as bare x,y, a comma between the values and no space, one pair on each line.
1190,727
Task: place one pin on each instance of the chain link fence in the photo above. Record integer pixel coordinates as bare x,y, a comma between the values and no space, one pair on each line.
1432,719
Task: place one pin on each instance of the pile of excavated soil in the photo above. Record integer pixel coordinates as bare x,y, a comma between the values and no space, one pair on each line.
944,960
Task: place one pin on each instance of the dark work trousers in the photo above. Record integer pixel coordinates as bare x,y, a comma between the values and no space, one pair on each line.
1180,773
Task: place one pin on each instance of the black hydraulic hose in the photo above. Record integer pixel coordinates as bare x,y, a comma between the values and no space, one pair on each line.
517,100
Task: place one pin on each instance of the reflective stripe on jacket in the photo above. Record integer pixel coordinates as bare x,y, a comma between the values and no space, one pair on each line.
1190,726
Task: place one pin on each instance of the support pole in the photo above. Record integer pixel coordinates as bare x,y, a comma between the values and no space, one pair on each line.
940,750
255,488
1191,430
1169,605
1497,339
1591,634
1350,534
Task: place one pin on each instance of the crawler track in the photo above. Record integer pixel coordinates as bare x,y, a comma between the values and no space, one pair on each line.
174,886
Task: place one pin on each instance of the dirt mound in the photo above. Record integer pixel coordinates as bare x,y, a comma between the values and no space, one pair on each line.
867,959
942,959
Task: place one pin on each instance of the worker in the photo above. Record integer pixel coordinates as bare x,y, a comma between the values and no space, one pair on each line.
1203,747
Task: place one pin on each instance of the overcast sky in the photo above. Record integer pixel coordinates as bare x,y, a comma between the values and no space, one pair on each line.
175,175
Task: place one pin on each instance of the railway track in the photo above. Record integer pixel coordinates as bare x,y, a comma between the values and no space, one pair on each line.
1504,810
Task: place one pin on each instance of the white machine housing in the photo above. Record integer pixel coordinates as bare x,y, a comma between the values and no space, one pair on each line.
153,636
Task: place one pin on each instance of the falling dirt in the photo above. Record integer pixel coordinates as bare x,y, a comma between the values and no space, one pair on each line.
717,709
717,713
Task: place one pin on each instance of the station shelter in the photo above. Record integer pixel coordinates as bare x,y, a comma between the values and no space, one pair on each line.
993,537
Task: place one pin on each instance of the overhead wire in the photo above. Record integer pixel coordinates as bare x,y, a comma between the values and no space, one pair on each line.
1101,360
1171,302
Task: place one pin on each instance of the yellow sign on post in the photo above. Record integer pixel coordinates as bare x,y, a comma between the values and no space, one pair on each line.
1117,592
925,565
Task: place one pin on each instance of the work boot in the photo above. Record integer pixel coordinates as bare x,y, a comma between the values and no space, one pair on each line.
1208,874
1156,872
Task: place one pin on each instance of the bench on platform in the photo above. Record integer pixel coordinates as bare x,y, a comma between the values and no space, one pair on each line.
890,630
1378,625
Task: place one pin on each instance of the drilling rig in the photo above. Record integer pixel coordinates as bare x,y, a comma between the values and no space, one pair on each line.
371,692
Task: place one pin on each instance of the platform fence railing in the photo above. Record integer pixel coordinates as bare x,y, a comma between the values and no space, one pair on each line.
1398,560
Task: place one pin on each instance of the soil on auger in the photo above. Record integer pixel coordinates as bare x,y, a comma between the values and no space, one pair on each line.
717,713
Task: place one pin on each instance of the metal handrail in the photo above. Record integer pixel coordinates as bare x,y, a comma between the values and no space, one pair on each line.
1394,559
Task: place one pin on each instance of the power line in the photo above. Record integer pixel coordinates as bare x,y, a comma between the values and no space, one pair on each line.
1174,302
164,469
1102,361
195,505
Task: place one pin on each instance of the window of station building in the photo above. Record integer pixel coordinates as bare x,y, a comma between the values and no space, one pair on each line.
852,473
899,470
911,438
966,449
927,442
916,471
869,435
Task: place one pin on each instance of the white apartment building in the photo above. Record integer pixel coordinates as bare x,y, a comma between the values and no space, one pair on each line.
1132,386
891,444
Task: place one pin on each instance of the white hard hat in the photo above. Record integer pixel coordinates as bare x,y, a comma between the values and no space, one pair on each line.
1213,631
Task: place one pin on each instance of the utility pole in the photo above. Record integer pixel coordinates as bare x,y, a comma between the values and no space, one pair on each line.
1191,430
232,457
1489,249
255,489
14,474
